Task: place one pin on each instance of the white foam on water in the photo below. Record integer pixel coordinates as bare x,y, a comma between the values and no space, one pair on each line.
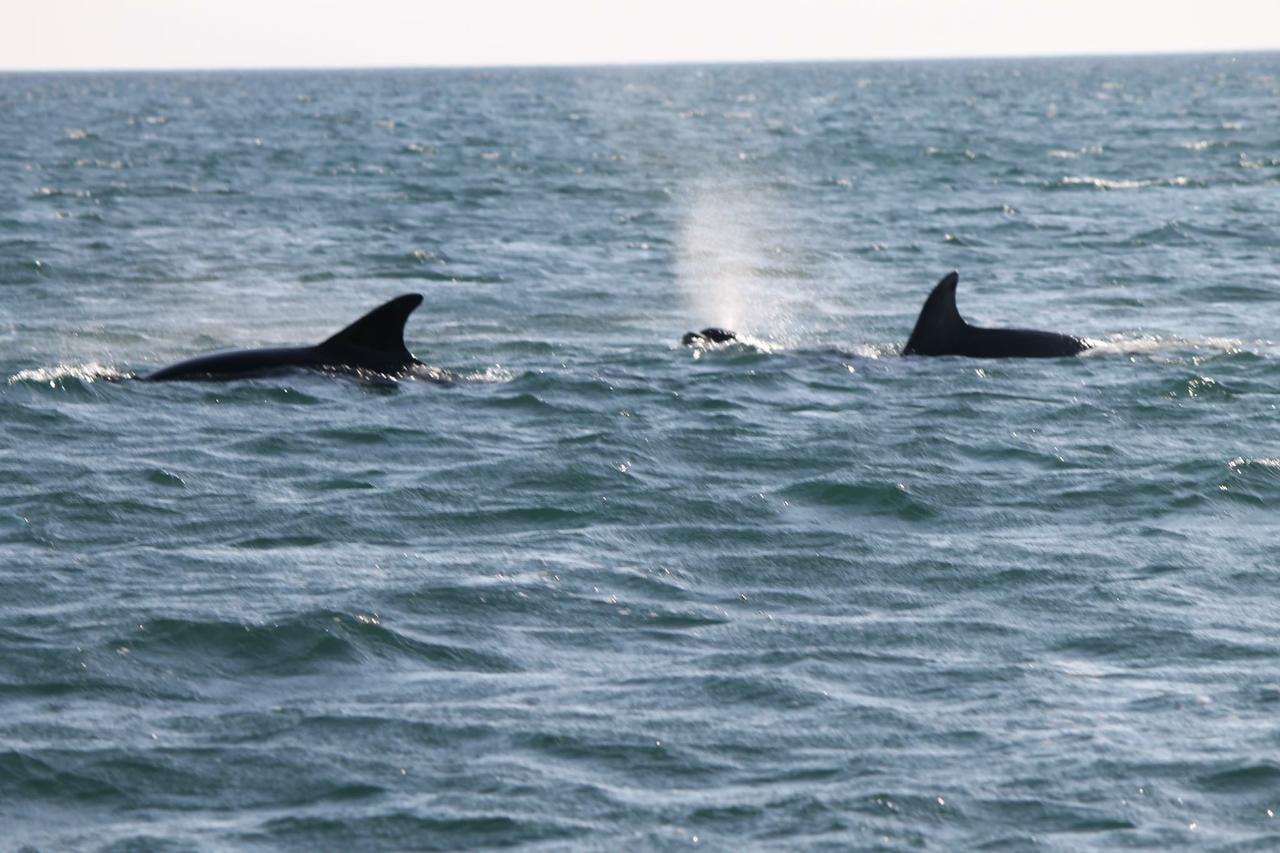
1239,463
886,350
1153,344
496,374
53,376
1122,183
743,342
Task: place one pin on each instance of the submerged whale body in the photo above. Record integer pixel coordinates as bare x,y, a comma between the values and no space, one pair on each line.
708,336
940,330
374,344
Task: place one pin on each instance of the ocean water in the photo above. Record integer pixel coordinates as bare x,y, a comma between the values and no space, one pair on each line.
599,591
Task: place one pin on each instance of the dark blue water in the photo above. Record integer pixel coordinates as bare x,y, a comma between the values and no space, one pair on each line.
600,591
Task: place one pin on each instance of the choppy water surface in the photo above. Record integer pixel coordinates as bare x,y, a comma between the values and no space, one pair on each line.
601,591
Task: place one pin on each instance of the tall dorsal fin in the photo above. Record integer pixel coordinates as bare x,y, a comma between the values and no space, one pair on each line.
381,330
939,320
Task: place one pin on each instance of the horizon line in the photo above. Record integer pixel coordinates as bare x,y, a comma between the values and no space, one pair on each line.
674,63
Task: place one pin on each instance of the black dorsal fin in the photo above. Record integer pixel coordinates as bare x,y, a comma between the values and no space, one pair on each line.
939,320
381,330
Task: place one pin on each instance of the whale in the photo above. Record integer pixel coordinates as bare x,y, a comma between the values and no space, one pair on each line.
940,330
709,335
373,344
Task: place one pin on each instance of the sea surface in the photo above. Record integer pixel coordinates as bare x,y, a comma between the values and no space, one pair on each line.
574,586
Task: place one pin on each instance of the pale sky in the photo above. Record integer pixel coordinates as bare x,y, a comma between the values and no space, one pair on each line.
138,34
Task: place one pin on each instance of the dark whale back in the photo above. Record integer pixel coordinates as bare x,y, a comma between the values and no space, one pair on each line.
940,330
710,335
374,343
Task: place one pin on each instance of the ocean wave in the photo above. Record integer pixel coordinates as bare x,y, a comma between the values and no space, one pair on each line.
744,343
1121,344
870,351
1247,162
493,375
396,828
1205,144
877,498
1254,478
59,375
297,644
1269,464
1086,181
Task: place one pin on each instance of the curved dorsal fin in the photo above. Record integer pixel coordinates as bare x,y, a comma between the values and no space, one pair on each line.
939,320
381,330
